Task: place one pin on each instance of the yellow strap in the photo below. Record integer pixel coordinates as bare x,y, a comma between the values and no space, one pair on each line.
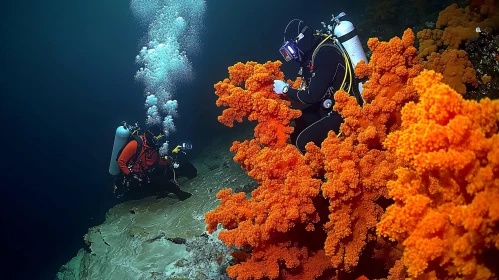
159,137
318,46
348,70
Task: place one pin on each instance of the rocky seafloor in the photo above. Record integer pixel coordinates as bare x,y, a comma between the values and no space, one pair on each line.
165,238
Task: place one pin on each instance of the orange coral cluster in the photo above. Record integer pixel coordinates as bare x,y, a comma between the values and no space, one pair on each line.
441,169
484,7
284,201
455,67
392,67
256,101
357,176
460,25
357,168
446,209
456,25
429,41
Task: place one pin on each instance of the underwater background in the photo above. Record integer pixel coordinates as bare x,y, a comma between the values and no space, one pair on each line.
67,81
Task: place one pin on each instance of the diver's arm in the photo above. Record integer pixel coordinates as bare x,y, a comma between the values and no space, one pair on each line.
127,153
324,69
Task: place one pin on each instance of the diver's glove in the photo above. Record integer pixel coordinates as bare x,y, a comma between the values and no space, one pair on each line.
280,87
176,165
133,176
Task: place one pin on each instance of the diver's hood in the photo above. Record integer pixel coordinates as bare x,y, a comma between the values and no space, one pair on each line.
148,140
307,43
154,137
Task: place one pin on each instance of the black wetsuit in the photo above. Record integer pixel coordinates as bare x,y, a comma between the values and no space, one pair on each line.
322,80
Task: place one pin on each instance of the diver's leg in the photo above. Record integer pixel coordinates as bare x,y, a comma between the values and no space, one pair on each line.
119,186
167,184
317,132
356,91
298,127
187,169
125,189
175,189
309,115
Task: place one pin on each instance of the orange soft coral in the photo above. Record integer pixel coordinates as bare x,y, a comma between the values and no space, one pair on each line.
256,101
457,25
357,167
446,209
287,188
267,222
455,67
357,177
429,41
279,220
484,7
393,65
460,24
296,83
265,264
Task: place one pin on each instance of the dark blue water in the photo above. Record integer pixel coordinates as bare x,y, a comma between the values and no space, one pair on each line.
67,81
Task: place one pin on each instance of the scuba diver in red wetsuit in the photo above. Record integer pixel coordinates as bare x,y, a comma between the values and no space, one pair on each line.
144,172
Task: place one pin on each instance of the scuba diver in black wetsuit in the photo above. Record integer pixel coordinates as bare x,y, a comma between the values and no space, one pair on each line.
326,66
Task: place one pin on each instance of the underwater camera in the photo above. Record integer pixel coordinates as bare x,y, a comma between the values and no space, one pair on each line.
186,146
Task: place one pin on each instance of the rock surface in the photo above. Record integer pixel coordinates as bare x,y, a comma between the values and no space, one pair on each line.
138,239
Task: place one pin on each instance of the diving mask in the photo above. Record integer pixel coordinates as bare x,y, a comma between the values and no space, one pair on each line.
289,51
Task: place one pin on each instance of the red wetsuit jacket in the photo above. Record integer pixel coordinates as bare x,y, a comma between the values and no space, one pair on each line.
147,157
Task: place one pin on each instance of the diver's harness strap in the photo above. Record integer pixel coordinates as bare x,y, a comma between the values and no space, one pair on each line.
137,138
348,36
144,173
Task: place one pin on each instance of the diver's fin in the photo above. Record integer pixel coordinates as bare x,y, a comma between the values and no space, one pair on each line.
182,195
